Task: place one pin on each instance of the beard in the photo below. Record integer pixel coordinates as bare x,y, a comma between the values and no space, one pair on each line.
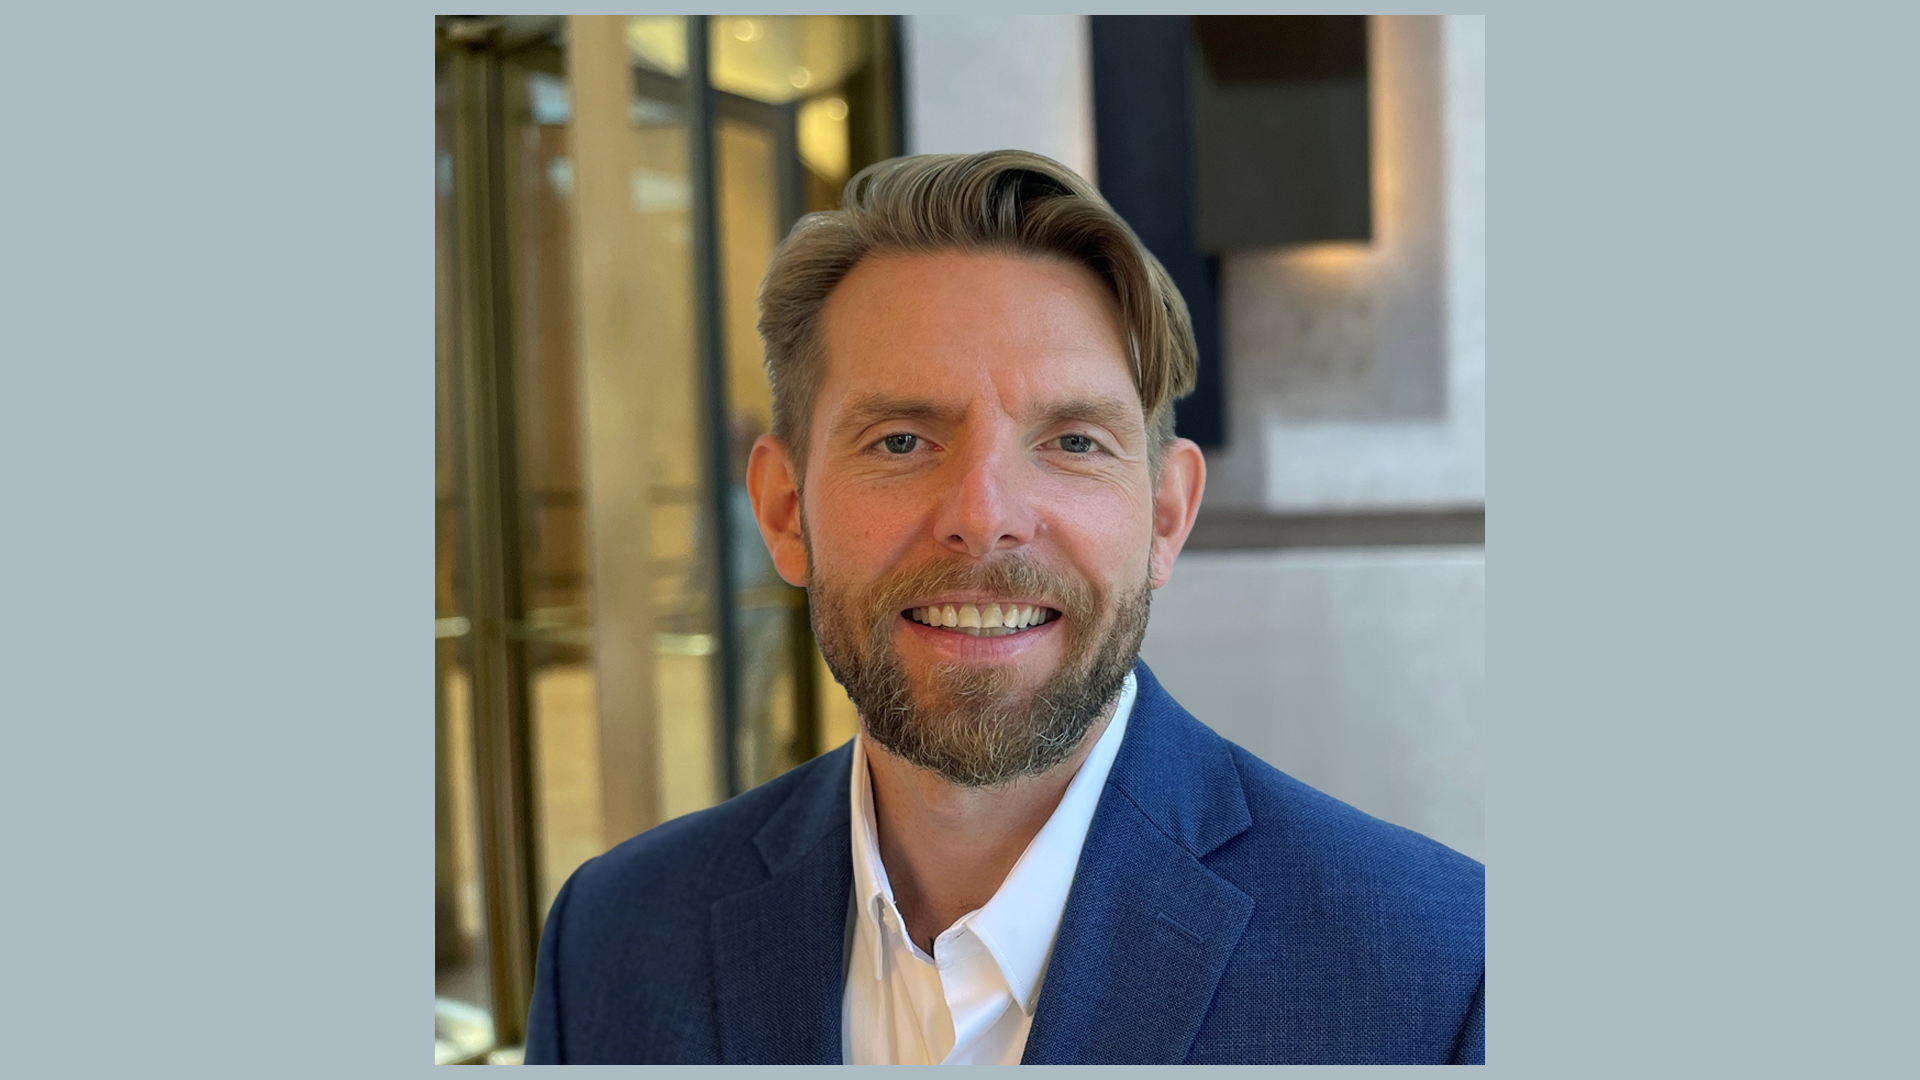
971,723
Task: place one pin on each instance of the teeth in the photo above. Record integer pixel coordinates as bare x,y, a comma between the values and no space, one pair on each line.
993,621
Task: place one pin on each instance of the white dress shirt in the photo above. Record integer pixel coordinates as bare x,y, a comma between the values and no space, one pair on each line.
972,1001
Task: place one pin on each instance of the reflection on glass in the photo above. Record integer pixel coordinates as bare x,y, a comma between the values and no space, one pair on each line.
823,138
659,43
751,174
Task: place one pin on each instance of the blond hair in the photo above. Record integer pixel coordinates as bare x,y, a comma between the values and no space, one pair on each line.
1003,200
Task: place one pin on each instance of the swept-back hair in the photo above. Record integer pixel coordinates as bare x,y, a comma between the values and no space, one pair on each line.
1000,201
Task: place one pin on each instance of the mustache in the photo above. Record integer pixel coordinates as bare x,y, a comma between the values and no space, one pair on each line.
1013,574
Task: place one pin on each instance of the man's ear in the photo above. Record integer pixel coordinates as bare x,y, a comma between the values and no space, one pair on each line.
776,506
1176,499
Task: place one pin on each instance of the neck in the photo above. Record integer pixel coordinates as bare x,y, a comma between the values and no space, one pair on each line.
948,847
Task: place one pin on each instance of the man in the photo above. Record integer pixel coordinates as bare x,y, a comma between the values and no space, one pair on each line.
1030,853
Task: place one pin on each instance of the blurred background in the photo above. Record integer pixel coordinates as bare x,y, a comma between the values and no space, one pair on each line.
612,646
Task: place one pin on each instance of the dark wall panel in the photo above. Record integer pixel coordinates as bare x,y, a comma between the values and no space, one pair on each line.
1144,148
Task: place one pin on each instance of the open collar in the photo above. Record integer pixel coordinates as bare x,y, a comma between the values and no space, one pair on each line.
1144,940
1018,923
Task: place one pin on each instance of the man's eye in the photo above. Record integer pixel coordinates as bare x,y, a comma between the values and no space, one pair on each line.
1076,444
900,444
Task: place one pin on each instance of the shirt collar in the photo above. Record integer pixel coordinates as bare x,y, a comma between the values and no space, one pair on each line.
870,884
1019,923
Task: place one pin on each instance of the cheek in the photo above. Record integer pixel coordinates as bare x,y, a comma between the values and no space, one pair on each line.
1108,538
856,533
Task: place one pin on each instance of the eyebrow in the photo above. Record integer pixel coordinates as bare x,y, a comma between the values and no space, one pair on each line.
871,408
1117,416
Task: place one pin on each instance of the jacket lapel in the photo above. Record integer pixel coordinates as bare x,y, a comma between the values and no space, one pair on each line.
1146,936
1148,929
780,947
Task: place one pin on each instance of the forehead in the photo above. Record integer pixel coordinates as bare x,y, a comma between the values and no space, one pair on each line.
953,325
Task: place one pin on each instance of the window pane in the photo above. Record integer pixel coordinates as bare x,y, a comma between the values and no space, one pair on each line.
779,58
550,460
688,729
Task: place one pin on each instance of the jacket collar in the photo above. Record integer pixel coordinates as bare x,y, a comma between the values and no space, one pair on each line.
816,811
779,948
1148,929
1178,773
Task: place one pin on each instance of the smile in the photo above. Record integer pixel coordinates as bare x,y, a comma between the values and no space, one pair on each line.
991,620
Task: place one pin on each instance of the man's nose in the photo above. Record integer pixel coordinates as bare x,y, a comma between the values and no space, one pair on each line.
988,505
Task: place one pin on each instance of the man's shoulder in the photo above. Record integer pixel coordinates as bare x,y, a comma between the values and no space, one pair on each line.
702,856
1343,842
628,941
1329,878
1301,854
1376,932
1291,829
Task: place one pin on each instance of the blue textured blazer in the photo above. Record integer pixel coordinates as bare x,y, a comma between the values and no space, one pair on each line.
1222,912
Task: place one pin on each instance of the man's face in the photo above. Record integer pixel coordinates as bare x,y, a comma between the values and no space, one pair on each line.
978,448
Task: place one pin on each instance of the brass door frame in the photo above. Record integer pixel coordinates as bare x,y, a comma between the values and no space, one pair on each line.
495,606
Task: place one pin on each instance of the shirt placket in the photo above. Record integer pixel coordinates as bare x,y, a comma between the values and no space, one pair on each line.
922,1009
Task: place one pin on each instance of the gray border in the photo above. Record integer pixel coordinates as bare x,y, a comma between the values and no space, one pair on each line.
1702,511
217,654
215,420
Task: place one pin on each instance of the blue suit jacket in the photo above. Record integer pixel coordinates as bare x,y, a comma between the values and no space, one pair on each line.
1222,912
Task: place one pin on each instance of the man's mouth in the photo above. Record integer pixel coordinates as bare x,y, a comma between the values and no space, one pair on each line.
989,620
